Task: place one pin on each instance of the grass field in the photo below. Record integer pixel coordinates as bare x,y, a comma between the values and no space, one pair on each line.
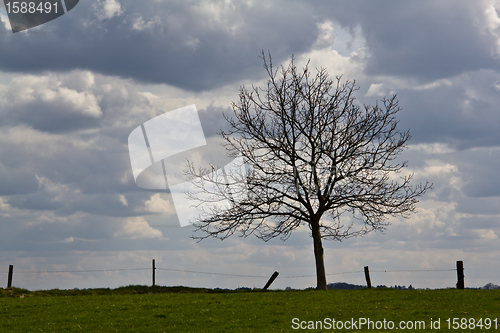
180,309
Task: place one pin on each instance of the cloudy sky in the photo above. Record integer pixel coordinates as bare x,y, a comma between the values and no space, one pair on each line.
72,90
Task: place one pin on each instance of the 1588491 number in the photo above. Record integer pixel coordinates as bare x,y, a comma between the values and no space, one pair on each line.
471,323
24,7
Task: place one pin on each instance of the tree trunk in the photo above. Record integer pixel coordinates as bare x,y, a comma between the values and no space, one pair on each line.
318,255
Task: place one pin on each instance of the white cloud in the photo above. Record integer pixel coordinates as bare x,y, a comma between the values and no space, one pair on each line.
434,84
486,234
58,191
428,224
350,67
157,204
78,80
26,90
492,19
108,9
5,20
436,167
139,24
433,148
5,208
340,51
326,36
376,89
137,227
220,14
123,200
491,23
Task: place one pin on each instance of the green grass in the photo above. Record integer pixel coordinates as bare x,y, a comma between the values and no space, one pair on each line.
181,309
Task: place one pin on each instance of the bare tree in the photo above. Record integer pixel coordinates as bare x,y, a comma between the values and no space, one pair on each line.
313,155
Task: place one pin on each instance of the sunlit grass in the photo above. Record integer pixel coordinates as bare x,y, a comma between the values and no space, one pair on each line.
180,309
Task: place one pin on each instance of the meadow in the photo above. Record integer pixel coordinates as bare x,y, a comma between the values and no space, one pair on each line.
182,309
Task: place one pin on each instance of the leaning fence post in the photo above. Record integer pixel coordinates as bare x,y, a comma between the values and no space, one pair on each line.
460,275
11,272
154,268
273,277
367,276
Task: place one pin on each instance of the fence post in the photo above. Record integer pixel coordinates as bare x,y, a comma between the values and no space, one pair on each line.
460,275
154,269
11,272
367,276
273,277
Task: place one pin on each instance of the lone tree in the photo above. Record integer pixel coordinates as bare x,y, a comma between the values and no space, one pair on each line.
313,155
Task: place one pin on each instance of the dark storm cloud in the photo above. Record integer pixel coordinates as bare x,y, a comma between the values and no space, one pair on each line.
195,46
203,45
462,113
427,39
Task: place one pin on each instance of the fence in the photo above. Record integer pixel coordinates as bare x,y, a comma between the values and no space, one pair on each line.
459,268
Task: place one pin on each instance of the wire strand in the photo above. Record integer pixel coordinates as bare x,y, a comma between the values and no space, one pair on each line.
211,273
227,274
83,271
412,270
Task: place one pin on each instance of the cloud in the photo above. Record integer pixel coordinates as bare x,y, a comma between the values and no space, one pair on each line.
107,9
159,205
84,168
423,40
5,20
478,171
486,234
72,91
375,90
460,112
43,103
326,37
140,25
492,19
123,199
48,165
5,209
195,46
137,227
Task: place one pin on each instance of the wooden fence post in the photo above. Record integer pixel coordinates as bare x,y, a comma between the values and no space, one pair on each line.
460,275
154,269
367,276
273,277
11,272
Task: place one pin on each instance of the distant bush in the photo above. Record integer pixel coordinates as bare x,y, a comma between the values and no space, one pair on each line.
344,286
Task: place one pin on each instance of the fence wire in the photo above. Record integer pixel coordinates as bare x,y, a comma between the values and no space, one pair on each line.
413,270
225,274
82,271
211,273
